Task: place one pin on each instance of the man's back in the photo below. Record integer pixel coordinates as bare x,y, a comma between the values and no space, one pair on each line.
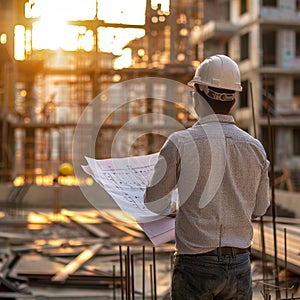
221,173
218,200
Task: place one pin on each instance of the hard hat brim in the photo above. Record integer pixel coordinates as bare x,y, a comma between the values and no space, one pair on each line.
192,82
218,71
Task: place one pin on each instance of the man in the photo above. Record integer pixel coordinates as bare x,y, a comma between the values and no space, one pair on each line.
221,173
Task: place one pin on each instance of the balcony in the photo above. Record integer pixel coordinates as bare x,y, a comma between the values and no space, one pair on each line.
284,16
216,29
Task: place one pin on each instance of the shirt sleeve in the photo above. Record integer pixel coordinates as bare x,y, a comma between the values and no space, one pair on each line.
263,193
158,194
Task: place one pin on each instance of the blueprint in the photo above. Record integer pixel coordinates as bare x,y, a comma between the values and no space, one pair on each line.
125,180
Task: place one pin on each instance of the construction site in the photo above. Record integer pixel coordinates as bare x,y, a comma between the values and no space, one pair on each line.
107,79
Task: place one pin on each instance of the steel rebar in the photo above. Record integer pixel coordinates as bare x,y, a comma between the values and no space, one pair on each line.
154,274
262,233
271,157
121,272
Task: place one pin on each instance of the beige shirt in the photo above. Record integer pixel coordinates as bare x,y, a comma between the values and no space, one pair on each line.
221,173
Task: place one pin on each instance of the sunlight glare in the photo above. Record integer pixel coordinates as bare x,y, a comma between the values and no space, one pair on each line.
122,12
3,38
51,31
62,36
124,61
113,40
19,50
18,181
46,35
61,9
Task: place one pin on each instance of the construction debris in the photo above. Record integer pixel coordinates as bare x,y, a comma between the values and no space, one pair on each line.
96,252
91,254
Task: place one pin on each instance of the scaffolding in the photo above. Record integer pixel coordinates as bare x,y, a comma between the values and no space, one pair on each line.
52,88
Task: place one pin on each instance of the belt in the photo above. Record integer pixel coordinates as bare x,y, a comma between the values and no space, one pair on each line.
226,250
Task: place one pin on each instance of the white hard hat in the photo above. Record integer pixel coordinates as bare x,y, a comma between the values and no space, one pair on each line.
218,71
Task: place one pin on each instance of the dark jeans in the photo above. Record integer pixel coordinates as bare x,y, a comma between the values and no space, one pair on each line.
197,277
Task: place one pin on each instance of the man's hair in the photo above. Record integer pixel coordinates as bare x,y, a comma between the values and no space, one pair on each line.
219,107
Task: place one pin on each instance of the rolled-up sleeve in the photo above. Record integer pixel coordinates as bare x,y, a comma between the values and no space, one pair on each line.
263,193
158,194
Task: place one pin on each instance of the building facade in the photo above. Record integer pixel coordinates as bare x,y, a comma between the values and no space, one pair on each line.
263,37
60,59
45,88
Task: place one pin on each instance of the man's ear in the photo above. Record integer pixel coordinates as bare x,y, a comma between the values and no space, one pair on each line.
199,104
233,103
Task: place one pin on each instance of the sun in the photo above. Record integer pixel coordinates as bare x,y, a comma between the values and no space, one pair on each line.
52,29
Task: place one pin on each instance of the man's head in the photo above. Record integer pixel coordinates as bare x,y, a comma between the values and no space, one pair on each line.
217,80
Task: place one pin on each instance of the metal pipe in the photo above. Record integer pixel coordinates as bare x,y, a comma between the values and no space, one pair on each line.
127,260
154,274
271,154
121,272
285,263
132,277
171,265
114,282
262,231
253,111
151,281
143,273
63,274
127,292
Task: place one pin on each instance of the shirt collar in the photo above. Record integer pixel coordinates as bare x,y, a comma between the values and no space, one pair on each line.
216,118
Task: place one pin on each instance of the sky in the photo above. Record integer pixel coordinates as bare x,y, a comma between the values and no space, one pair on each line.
51,30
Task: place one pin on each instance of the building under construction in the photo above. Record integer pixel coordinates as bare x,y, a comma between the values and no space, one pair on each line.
46,87
61,60
49,74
